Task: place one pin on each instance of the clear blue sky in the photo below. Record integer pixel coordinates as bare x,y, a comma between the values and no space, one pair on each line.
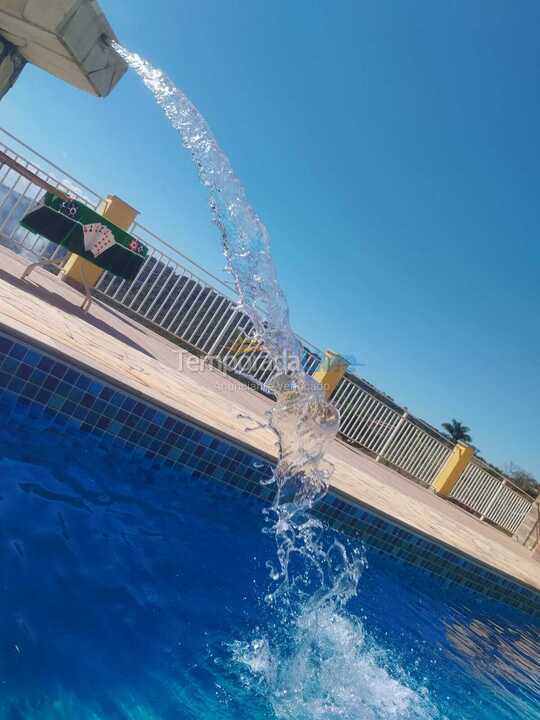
392,148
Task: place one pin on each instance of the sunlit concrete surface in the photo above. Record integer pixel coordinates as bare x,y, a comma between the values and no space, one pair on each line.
45,310
65,38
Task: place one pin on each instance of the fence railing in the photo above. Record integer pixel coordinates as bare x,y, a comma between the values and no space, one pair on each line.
388,432
179,298
179,302
18,194
491,496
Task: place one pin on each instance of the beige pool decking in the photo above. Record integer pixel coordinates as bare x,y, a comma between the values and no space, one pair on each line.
46,310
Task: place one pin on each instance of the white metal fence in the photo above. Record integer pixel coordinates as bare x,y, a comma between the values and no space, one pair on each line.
184,301
18,194
388,432
175,299
491,496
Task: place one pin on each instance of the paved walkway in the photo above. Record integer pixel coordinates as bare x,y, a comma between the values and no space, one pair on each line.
46,310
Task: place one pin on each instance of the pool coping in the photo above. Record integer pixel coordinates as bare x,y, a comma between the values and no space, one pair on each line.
381,531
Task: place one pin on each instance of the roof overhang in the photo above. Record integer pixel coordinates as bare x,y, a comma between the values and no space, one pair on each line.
68,38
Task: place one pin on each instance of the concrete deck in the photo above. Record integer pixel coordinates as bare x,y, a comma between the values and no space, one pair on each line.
46,311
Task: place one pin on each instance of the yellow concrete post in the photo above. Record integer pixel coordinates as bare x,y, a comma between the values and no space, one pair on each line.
118,212
453,469
330,371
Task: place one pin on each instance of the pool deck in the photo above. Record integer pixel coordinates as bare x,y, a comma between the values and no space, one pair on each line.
46,311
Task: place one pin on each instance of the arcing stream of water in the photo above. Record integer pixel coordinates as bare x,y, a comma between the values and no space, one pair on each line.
313,662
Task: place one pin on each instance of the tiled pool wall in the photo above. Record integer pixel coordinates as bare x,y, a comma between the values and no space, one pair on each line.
63,394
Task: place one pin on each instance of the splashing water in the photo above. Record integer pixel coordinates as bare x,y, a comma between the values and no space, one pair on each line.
313,662
332,673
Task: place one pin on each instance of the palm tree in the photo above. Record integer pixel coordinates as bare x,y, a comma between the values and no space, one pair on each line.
457,431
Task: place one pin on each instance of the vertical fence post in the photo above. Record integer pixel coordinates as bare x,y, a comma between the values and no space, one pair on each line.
402,420
330,372
528,532
453,469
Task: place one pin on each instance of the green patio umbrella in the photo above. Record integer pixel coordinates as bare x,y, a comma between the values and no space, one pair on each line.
85,232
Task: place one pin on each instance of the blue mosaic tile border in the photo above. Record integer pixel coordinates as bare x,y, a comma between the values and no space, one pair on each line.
61,393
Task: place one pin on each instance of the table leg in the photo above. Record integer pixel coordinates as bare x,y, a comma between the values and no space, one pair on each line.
85,307
40,263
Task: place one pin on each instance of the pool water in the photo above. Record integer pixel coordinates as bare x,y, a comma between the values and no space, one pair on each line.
130,590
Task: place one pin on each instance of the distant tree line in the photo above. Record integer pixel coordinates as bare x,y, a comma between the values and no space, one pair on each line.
523,479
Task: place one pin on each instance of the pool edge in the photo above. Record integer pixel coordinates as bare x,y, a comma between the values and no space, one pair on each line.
348,514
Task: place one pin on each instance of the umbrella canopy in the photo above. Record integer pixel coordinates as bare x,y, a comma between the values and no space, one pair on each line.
85,232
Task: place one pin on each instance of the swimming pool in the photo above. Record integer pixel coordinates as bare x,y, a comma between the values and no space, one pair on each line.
133,587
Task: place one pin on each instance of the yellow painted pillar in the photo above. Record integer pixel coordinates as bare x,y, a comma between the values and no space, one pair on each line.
453,469
118,212
332,368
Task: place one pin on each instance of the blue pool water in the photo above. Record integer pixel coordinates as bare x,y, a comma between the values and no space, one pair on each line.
132,591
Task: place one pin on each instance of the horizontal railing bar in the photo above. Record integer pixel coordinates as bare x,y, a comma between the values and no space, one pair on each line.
49,162
31,176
